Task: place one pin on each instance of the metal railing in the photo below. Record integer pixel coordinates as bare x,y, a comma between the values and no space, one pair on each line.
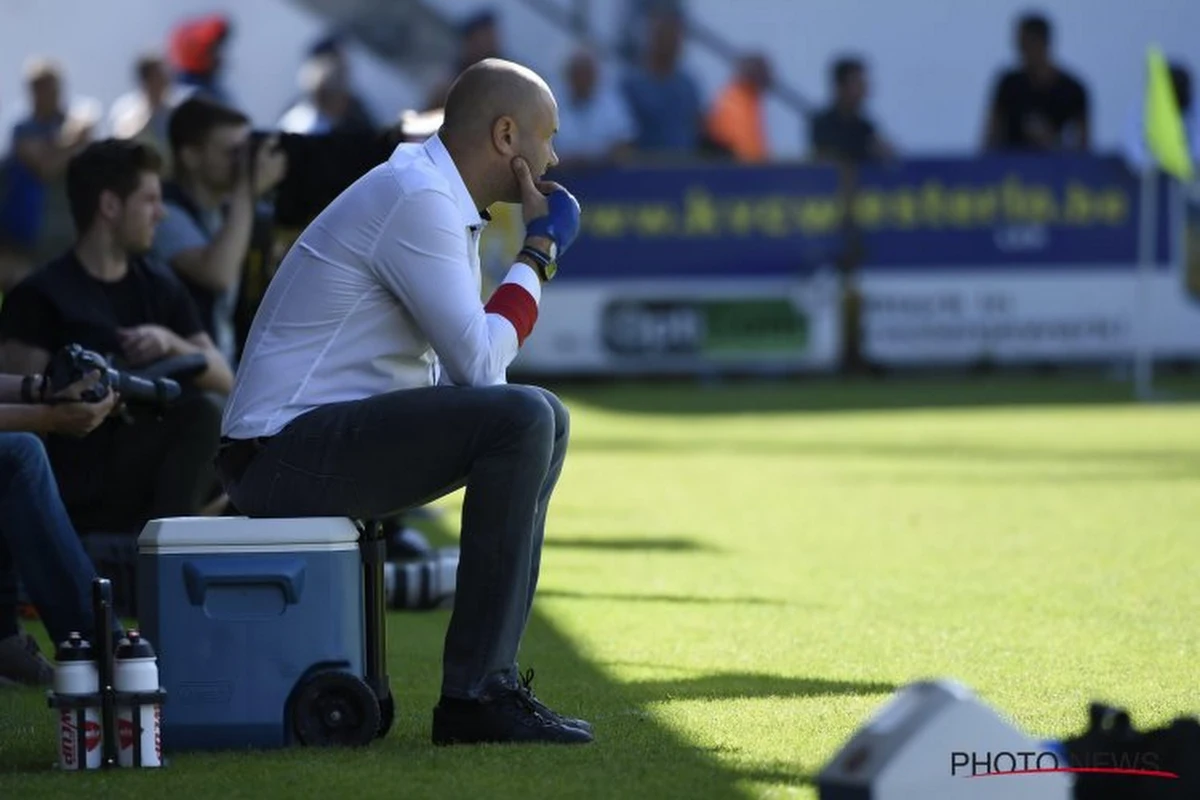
721,47
575,20
412,34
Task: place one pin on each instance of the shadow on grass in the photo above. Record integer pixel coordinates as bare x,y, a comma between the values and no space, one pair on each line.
436,530
1183,459
646,543
693,397
737,685
635,754
568,594
778,776
1026,477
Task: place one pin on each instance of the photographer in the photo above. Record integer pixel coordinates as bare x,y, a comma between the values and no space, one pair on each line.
211,208
38,544
103,295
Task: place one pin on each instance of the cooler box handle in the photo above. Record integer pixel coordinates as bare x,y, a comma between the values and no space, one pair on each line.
287,574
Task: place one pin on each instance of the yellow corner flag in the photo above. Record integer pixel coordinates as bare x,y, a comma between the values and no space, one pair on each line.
1165,135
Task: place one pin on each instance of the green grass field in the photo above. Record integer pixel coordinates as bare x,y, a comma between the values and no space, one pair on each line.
735,578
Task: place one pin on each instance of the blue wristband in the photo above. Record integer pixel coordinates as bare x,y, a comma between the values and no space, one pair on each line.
561,222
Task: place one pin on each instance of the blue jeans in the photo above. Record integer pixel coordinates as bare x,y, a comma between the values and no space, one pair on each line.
380,456
38,544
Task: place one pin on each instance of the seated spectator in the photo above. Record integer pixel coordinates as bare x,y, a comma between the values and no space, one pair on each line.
143,114
327,105
664,99
334,47
479,38
736,119
38,545
1038,106
15,262
34,218
104,295
211,208
631,41
843,133
197,54
594,124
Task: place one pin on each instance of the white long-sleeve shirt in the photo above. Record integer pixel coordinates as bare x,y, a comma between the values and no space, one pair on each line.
381,292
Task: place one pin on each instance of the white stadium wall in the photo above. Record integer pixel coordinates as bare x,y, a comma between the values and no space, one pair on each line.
932,60
97,41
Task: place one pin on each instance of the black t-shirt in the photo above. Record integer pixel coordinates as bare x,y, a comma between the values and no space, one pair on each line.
1020,103
62,304
848,138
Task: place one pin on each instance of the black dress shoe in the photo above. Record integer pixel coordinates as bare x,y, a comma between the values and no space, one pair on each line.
504,715
526,687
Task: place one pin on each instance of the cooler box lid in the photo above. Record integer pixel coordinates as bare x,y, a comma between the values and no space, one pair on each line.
187,535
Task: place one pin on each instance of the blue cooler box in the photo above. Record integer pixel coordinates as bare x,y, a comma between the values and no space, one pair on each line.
240,611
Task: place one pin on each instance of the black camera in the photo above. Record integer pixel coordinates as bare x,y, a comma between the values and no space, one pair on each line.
321,166
73,363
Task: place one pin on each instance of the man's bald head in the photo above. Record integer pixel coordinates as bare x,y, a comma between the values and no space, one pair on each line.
497,110
490,89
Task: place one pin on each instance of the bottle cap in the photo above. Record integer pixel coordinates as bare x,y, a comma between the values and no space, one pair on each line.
134,646
75,648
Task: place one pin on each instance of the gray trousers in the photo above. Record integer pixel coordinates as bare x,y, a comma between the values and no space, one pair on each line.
380,456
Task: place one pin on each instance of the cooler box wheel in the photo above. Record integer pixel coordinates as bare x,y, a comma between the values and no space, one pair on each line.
387,714
335,709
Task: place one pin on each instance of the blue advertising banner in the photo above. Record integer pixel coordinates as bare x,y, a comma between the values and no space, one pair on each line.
1015,212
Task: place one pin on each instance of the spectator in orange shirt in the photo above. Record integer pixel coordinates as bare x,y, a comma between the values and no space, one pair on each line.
736,119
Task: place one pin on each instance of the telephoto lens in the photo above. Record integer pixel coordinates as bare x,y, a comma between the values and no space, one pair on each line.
158,392
424,583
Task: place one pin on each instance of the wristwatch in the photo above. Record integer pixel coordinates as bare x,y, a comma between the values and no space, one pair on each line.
545,263
29,393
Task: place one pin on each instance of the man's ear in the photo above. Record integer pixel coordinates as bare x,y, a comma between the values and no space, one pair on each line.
110,205
504,136
189,158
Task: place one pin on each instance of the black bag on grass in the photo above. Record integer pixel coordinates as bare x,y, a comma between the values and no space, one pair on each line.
1112,743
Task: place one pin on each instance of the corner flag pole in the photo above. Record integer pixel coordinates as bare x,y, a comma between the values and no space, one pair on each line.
1143,355
1167,144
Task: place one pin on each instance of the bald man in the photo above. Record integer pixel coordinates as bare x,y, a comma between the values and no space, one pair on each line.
374,379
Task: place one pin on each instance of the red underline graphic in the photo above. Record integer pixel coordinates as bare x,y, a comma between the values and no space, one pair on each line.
1145,773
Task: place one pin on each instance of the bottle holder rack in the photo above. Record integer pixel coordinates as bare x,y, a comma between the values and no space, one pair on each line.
81,703
107,701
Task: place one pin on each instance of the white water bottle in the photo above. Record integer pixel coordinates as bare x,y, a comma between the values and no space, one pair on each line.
135,670
76,675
